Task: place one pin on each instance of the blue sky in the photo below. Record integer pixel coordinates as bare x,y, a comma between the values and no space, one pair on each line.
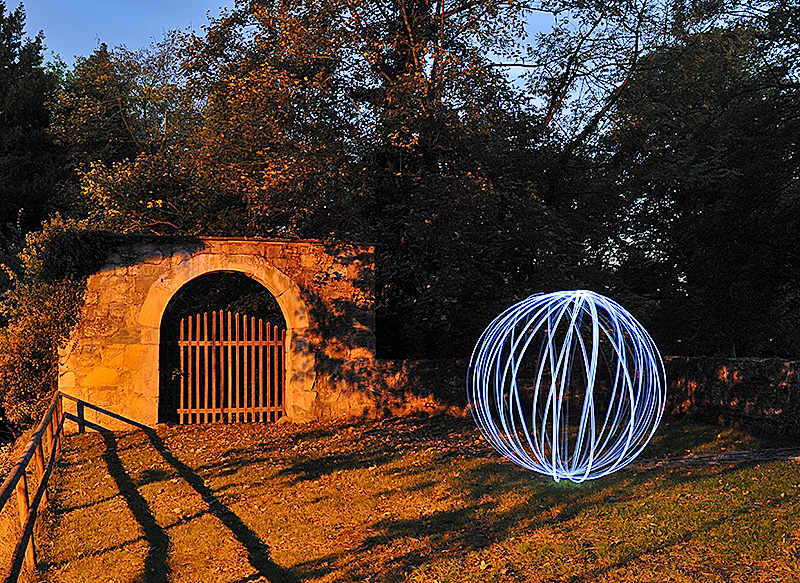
77,27
73,27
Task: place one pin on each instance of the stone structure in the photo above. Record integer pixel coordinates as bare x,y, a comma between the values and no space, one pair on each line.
326,294
759,393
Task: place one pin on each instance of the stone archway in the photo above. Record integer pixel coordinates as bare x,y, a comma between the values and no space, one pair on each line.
300,362
324,292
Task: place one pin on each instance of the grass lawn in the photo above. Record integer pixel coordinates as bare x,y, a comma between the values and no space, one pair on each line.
413,500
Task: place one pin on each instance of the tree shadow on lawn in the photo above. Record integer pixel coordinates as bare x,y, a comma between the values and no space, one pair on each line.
157,567
361,446
676,539
484,519
257,550
476,525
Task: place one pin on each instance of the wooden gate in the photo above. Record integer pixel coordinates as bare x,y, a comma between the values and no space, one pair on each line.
232,369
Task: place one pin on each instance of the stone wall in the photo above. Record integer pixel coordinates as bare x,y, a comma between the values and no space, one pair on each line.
381,388
325,292
760,393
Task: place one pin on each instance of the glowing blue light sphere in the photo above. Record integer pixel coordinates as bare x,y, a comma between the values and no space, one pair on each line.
567,384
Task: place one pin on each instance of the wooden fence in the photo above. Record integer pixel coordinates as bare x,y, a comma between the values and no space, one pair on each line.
44,445
232,369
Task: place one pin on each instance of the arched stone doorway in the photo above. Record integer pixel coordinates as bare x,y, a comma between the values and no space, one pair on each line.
221,353
299,363
324,292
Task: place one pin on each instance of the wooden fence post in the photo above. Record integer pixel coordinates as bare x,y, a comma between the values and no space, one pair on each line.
81,418
50,444
57,423
39,455
23,504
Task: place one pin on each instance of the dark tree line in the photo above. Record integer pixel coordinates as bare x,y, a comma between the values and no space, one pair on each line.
647,151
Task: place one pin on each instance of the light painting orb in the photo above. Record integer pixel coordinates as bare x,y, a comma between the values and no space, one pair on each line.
567,384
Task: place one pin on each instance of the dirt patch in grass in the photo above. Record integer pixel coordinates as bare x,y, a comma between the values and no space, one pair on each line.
412,500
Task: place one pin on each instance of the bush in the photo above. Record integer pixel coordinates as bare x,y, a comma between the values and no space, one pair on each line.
45,289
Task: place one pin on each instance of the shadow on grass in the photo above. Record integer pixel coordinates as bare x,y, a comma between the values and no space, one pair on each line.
315,468
675,539
481,521
156,564
476,524
257,551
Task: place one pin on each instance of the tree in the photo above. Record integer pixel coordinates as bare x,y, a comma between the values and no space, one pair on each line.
386,123
29,162
91,117
704,153
127,122
49,275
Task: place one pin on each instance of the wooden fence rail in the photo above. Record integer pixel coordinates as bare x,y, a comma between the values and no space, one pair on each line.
44,445
38,449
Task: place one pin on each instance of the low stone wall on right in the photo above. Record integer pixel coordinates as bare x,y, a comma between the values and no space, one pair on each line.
758,393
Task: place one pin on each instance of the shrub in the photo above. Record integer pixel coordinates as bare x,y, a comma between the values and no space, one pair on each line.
45,289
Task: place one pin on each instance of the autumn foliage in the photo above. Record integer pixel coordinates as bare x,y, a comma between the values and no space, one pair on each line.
646,150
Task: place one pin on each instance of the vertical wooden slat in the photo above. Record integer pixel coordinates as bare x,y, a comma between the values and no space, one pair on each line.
253,378
268,366
260,351
253,355
253,364
245,363
248,353
195,372
215,400
190,365
281,369
230,373
206,351
236,366
23,506
276,366
183,371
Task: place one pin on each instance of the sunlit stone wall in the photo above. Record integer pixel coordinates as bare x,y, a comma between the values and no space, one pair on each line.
326,293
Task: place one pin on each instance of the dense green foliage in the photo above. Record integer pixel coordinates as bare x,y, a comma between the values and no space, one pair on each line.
30,165
648,150
704,154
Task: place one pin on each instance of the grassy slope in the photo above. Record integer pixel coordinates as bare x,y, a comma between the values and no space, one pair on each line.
409,500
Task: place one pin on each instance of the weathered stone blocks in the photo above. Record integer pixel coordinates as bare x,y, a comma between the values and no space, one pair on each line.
761,393
325,292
